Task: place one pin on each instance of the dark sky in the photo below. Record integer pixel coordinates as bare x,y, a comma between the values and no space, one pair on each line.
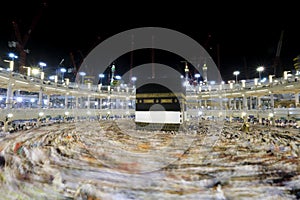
246,35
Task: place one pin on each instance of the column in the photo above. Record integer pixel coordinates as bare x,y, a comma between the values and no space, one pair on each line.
40,98
100,107
81,102
127,102
76,102
66,101
240,104
89,102
245,103
118,103
48,100
272,100
221,105
234,103
259,103
9,96
297,99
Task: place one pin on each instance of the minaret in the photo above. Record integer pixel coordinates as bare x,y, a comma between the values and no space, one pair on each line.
186,70
113,68
204,68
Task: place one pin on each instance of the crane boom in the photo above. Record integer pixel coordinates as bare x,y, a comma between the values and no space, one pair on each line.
279,44
74,70
276,65
22,41
33,24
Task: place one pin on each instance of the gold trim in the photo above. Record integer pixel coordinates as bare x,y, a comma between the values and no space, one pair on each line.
148,100
166,101
159,95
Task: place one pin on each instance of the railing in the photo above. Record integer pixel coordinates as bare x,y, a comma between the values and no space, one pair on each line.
5,75
191,89
193,92
292,113
18,114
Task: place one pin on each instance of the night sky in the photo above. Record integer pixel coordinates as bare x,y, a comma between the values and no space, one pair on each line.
238,37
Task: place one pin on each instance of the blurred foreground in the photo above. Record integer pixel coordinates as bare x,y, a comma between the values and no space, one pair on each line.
111,160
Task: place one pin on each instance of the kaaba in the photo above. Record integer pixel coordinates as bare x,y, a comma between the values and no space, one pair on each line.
159,107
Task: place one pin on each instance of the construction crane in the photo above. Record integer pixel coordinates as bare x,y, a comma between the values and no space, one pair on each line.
74,69
21,42
276,64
